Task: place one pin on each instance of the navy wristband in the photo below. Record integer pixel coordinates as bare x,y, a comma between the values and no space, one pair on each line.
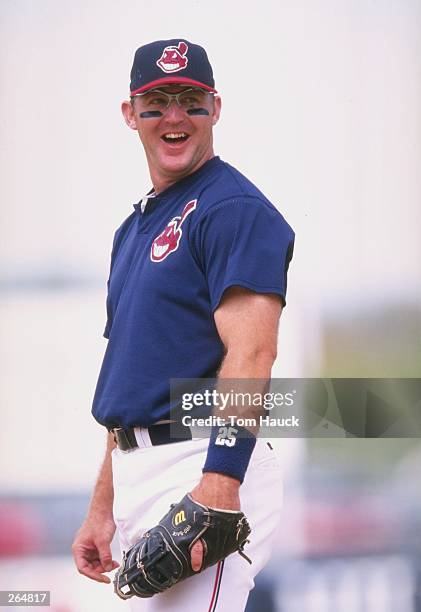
229,451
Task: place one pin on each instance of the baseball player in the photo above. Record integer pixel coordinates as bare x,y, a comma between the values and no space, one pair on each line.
196,288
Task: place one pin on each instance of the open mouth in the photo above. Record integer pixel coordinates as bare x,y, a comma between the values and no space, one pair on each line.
175,137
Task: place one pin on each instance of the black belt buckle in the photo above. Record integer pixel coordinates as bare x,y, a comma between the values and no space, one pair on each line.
125,438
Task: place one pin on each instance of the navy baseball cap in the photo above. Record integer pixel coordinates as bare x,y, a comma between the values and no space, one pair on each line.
166,62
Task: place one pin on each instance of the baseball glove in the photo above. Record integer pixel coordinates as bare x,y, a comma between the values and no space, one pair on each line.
161,558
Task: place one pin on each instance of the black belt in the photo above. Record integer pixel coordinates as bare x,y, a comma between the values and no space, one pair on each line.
163,433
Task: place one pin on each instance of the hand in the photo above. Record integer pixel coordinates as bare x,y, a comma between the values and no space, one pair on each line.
91,548
217,491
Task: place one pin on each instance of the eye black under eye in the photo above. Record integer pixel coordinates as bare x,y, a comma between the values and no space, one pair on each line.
197,111
150,114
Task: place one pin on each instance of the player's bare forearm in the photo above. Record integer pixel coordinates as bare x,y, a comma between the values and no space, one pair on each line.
219,490
247,361
247,323
103,496
91,547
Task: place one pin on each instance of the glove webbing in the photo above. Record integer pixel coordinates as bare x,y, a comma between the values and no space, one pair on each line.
149,560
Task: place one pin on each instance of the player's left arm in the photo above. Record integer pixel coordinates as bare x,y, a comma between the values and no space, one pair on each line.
247,323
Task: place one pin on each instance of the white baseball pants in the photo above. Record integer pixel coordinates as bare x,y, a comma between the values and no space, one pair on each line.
147,480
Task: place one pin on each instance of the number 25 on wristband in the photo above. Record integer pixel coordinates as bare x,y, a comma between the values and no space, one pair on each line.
226,436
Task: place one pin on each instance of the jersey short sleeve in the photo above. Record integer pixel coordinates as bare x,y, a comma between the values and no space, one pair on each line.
244,242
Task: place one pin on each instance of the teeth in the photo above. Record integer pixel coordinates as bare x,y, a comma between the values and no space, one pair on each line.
173,135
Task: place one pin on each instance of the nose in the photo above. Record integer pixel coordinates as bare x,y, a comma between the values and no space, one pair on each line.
174,113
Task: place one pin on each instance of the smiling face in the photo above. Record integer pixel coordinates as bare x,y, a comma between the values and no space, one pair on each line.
176,143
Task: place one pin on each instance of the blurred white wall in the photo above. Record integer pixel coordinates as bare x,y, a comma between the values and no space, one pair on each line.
321,104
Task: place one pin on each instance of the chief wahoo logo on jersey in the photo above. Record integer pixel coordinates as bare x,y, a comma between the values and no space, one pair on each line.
167,242
174,58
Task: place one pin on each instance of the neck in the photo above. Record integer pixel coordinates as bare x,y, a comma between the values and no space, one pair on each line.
161,182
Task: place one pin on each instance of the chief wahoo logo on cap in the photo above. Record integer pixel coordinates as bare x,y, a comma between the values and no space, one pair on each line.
173,58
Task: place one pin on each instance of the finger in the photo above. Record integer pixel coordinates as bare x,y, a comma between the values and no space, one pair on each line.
88,564
197,555
97,573
97,577
105,557
92,571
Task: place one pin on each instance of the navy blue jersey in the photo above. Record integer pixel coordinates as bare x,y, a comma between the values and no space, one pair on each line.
170,266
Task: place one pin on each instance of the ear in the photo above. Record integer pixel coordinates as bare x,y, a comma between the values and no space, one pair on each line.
129,114
216,109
